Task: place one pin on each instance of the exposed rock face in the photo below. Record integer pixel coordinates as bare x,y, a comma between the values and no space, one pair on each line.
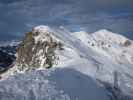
127,43
37,49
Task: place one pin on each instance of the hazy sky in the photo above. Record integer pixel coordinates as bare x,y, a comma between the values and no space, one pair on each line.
18,16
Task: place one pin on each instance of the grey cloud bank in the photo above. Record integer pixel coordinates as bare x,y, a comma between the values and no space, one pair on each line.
18,17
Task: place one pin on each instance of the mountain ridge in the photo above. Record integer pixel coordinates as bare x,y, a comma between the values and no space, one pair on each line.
103,55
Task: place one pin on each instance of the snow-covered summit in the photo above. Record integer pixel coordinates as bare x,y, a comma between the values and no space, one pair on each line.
109,36
43,33
41,49
105,36
42,29
42,45
110,44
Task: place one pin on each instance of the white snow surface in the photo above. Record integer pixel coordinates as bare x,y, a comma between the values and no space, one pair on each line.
58,84
87,64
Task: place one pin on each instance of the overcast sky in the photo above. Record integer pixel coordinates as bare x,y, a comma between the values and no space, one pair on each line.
19,16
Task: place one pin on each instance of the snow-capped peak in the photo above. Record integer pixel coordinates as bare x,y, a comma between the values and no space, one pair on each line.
109,36
41,49
42,33
42,29
108,43
103,31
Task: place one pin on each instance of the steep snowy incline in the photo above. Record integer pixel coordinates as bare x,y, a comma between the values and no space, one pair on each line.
115,58
104,55
41,49
58,84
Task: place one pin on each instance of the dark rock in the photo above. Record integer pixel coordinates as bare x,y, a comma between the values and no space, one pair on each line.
37,50
7,57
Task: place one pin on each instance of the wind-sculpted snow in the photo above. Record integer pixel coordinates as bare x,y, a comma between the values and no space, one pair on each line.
115,55
59,84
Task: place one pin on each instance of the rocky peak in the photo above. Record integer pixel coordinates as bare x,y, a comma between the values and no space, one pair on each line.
37,49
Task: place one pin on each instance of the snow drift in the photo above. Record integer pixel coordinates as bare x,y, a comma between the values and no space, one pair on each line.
59,84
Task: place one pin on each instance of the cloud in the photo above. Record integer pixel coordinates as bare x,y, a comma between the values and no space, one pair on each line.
18,16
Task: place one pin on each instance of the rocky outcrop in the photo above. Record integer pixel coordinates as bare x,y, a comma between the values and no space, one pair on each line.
37,49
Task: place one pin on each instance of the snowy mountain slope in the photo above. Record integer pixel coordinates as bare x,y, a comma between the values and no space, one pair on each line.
109,53
115,56
58,84
109,44
104,56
